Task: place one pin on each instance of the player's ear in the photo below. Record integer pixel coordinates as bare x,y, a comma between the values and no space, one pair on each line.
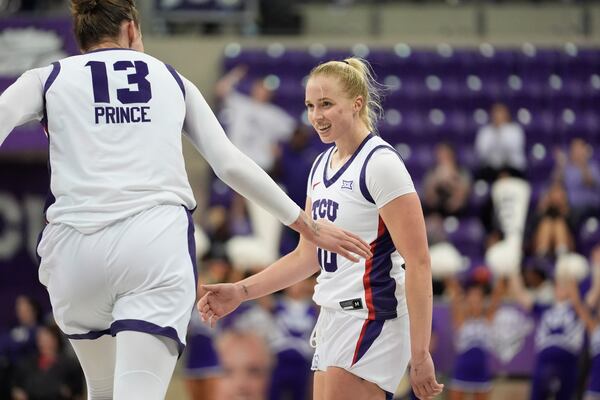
358,104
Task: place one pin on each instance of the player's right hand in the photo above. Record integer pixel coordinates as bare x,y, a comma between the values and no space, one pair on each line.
218,301
422,378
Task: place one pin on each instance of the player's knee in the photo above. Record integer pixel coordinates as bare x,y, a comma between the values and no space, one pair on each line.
139,385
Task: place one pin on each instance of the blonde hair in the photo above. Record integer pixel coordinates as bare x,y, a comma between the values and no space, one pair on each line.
357,79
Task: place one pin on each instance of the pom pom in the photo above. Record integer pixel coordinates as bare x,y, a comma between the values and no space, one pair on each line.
504,257
571,266
445,260
248,252
202,242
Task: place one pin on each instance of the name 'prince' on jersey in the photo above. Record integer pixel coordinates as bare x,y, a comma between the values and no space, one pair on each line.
120,140
351,198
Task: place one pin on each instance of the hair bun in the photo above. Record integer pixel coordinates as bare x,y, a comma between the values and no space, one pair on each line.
85,6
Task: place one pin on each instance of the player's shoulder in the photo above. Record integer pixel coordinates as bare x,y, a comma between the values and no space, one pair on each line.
379,150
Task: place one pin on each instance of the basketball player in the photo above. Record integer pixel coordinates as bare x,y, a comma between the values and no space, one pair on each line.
363,337
117,253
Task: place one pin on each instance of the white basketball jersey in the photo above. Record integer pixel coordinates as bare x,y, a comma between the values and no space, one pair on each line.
371,289
114,119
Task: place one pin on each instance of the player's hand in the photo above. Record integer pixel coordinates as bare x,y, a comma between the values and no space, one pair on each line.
422,378
218,301
329,237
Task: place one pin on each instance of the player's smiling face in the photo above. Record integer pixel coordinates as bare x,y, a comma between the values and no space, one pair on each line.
330,110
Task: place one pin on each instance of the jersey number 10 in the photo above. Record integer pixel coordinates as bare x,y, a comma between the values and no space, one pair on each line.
143,94
327,260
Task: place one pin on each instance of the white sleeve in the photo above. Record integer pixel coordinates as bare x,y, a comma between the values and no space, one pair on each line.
21,102
386,177
230,164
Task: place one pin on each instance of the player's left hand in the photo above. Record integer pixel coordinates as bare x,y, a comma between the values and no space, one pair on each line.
422,378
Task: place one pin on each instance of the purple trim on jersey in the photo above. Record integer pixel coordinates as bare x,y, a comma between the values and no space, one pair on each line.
91,335
51,78
389,396
370,331
329,182
177,78
137,325
382,284
363,172
50,199
192,244
314,167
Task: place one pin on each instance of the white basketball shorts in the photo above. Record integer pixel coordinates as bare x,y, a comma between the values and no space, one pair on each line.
138,274
377,351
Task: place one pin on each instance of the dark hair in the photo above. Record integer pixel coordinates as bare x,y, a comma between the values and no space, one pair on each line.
94,20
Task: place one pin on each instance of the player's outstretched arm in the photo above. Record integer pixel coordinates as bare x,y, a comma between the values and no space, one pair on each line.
221,299
248,179
21,102
404,219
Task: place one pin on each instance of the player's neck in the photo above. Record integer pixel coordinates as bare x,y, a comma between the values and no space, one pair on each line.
107,44
347,145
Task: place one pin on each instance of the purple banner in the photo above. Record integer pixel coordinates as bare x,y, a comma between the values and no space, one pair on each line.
22,195
31,43
513,341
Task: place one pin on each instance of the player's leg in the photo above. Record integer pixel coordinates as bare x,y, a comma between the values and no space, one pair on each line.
97,359
341,385
319,385
144,366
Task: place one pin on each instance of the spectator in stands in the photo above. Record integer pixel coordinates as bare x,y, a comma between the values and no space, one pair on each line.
559,339
581,177
447,185
294,160
203,369
552,233
19,342
296,316
247,364
591,317
500,146
254,124
50,374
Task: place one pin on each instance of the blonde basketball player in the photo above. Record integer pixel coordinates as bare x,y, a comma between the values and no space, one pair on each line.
363,337
117,255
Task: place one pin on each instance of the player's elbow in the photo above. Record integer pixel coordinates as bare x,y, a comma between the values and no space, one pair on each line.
228,172
421,263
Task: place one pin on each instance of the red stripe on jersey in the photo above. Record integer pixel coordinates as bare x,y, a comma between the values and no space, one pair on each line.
360,339
369,269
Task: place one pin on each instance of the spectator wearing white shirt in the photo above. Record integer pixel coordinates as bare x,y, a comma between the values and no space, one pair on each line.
500,146
254,124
